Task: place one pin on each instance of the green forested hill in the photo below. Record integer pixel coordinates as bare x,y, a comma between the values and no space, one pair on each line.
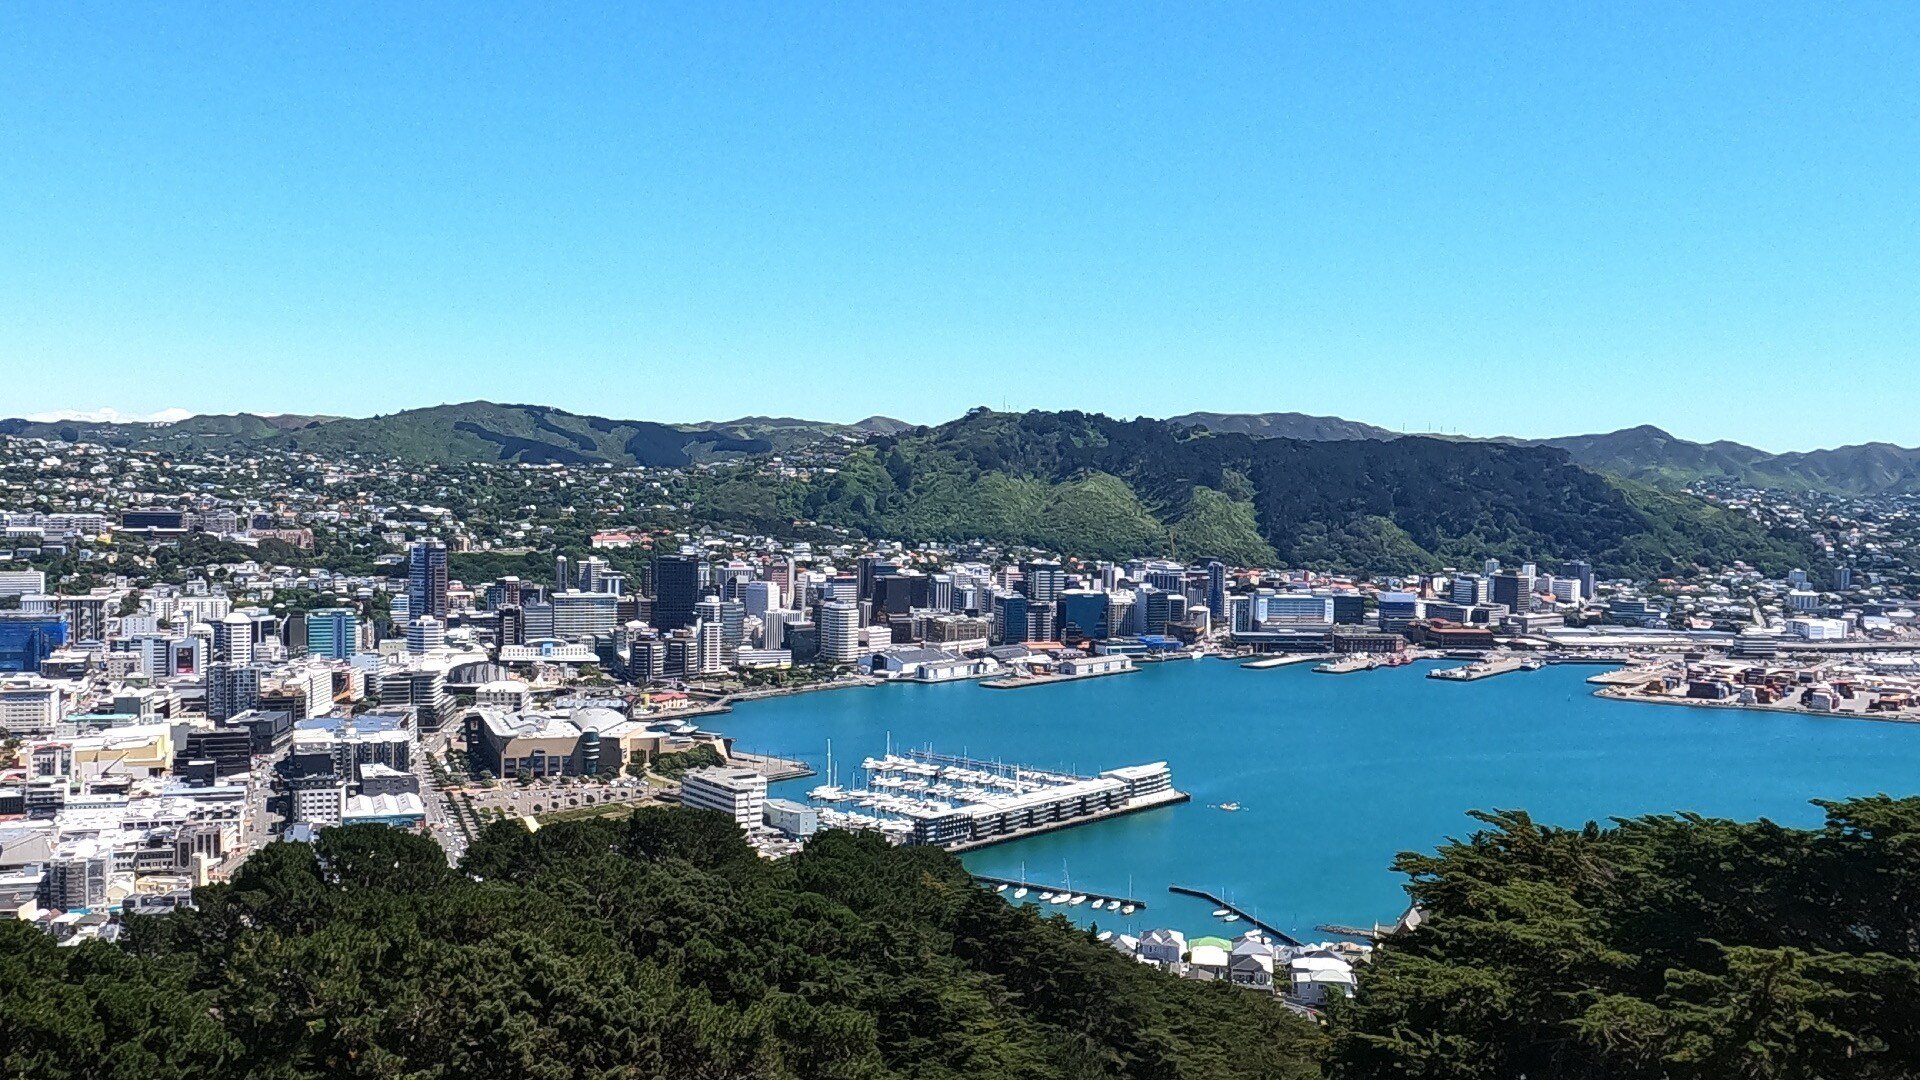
1091,485
660,946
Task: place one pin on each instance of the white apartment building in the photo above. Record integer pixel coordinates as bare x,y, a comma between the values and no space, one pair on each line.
739,793
31,706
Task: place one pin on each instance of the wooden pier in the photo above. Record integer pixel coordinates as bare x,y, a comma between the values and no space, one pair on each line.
1035,888
1271,931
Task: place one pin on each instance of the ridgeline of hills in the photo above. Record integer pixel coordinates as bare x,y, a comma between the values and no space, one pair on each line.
1305,491
474,431
1092,485
1644,453
477,431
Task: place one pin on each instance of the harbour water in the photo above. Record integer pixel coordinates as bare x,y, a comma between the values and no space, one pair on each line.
1333,774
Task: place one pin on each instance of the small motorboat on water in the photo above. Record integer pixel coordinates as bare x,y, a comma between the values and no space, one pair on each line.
999,888
1229,807
1127,910
1046,898
1020,892
1221,913
1076,901
1231,918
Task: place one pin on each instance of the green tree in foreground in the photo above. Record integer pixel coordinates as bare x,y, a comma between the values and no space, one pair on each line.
1679,948
658,946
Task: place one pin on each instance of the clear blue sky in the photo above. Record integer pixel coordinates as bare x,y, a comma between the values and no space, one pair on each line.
1492,219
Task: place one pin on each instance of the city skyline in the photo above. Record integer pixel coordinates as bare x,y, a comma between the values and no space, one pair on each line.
1593,221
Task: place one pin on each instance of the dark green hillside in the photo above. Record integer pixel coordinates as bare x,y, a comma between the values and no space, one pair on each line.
1094,486
660,946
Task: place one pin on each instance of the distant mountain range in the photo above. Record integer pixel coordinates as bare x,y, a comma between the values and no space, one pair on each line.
1303,490
473,431
477,431
1643,453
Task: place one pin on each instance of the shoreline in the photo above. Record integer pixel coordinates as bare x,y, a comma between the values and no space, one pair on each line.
1616,694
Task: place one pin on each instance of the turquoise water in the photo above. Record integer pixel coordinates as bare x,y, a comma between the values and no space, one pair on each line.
1335,773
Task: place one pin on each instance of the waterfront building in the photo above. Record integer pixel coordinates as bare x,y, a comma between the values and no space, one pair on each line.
535,744
741,794
839,640
791,818
1153,610
1083,616
1010,624
1514,589
1397,610
1216,588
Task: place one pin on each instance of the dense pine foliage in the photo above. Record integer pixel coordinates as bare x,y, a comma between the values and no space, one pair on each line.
1664,948
659,946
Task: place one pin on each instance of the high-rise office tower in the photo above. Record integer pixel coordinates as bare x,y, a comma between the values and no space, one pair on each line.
676,589
333,633
1010,624
1042,582
425,634
1514,589
839,631
427,580
1582,571
592,574
760,597
233,640
1217,588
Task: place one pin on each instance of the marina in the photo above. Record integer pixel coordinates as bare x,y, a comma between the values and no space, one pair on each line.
1018,889
960,803
1228,912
